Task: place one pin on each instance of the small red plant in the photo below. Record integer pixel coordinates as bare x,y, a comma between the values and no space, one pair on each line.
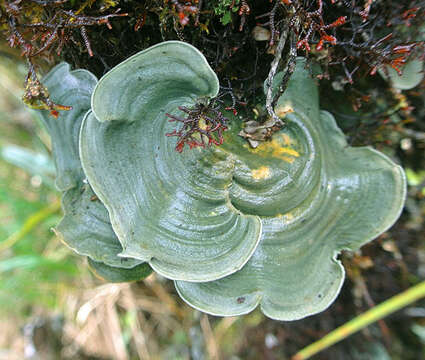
184,10
203,126
313,22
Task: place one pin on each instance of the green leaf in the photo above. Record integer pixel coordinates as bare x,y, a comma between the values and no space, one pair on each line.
27,262
167,208
85,227
316,196
34,163
116,275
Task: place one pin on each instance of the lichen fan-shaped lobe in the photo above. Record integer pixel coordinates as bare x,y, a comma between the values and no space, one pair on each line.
350,196
170,209
73,88
85,226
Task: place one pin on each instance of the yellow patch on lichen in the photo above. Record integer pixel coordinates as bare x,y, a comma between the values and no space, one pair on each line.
286,139
261,173
282,111
287,159
278,148
285,150
289,216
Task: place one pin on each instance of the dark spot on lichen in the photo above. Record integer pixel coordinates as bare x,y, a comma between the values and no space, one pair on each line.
240,300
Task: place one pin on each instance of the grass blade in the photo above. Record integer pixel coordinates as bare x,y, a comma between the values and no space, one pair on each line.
378,312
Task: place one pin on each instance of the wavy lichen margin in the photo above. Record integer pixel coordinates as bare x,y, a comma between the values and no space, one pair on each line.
294,272
73,87
172,210
117,274
85,226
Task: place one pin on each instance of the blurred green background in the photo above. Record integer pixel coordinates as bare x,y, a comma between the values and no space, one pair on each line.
52,307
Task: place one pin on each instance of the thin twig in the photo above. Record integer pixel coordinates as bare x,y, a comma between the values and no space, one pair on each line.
273,69
288,70
211,343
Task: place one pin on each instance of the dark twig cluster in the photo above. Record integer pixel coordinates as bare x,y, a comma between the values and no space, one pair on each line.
300,25
203,126
312,24
53,27
379,39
